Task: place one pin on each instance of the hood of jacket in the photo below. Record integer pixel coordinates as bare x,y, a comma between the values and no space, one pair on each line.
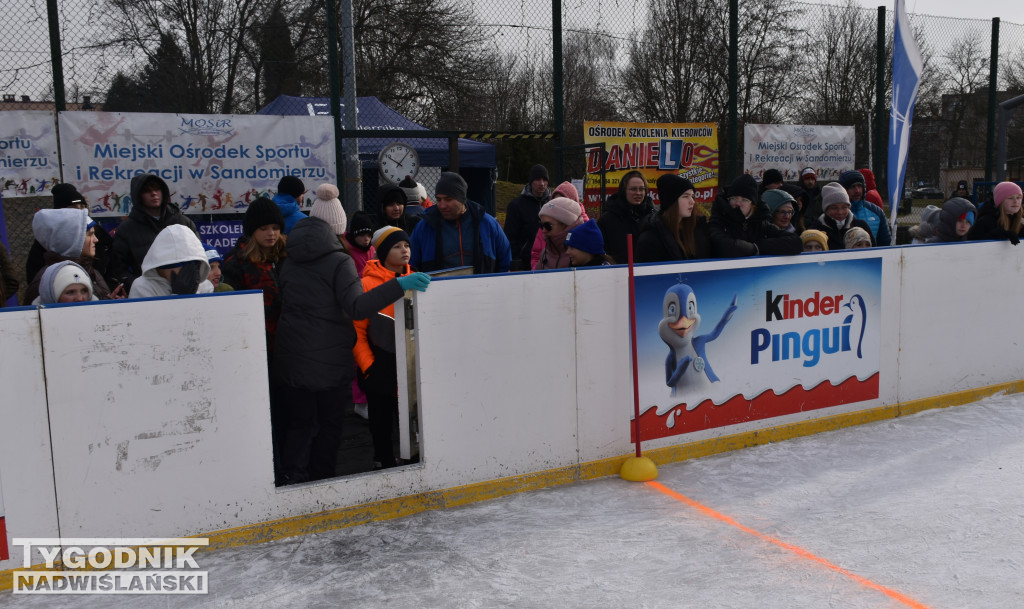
869,179
385,193
474,212
733,215
61,231
286,203
166,207
174,245
311,239
541,199
951,212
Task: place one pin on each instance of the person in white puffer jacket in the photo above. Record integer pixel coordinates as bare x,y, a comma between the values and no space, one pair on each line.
176,263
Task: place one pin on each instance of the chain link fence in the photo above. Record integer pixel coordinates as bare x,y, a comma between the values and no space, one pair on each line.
485,68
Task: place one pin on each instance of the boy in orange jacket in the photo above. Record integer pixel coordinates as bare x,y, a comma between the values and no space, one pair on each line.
375,343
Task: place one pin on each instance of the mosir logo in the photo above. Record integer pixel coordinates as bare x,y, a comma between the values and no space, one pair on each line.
112,566
827,338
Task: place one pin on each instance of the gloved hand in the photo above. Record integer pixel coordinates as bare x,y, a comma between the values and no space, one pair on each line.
414,281
1014,239
186,280
364,378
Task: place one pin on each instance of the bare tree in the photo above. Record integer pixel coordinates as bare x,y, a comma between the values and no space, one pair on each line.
210,33
676,67
424,58
677,70
839,83
962,110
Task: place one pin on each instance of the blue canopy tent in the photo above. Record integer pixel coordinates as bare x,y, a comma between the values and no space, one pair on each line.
477,160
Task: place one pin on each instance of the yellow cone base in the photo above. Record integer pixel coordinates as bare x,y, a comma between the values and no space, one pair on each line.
638,469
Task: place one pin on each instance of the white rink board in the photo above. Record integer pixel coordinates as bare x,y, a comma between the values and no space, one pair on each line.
161,419
603,369
497,376
160,412
961,322
26,471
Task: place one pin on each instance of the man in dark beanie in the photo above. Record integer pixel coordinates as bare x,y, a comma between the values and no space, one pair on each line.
458,232
288,199
66,195
771,180
522,219
862,209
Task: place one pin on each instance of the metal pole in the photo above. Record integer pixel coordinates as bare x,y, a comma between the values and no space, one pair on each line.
733,135
556,77
1006,110
55,55
335,83
993,73
453,154
353,194
877,161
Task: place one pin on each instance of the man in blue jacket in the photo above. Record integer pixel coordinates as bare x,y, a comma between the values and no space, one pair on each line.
288,198
853,182
458,232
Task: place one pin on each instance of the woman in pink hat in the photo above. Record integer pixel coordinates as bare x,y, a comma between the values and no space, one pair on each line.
1001,220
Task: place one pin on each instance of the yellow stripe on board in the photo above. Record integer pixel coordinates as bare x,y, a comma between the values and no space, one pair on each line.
480,491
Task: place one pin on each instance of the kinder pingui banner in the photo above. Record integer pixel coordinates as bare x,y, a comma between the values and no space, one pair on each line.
829,149
213,163
722,347
28,153
687,149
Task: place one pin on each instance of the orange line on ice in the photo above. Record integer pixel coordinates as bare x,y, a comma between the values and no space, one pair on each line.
906,600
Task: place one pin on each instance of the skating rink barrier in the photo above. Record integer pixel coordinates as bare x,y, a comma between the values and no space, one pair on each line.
151,419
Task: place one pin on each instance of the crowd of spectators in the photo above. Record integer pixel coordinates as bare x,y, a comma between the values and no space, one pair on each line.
329,283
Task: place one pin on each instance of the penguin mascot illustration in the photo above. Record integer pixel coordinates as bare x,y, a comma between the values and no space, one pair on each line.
687,366
857,320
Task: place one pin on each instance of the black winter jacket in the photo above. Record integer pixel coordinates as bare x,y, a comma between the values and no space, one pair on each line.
987,227
134,236
657,244
837,232
733,236
619,219
321,294
522,220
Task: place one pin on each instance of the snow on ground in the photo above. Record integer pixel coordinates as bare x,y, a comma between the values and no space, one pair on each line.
930,507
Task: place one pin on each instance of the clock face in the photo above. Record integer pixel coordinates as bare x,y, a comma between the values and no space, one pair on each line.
398,160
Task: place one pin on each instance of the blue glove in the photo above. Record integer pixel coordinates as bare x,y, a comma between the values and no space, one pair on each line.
414,281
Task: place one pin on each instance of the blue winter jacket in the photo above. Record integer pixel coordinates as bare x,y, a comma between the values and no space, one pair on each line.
289,209
875,218
482,245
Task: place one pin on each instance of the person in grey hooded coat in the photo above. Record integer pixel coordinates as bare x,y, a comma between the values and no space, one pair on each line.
321,294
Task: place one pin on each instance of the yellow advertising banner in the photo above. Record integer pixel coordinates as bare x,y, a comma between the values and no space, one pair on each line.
653,149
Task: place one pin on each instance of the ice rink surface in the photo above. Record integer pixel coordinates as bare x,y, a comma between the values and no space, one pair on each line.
925,511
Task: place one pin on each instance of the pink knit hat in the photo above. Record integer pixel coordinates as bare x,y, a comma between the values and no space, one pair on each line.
1003,190
562,209
567,190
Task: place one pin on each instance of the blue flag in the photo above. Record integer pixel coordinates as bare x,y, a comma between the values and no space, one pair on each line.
906,79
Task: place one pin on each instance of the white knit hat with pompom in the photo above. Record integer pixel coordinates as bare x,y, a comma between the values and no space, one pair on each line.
328,208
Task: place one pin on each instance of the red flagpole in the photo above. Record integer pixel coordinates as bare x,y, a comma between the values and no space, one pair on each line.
632,340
